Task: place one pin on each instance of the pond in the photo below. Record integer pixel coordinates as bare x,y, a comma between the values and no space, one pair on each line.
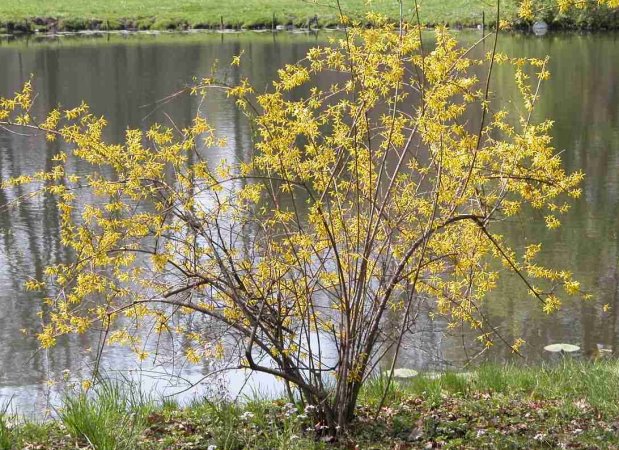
124,78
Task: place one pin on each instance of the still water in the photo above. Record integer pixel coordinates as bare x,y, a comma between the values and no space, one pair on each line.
125,77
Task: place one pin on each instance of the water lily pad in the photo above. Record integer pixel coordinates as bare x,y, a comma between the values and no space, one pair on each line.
564,348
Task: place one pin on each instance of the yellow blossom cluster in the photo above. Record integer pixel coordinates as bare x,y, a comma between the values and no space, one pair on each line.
529,8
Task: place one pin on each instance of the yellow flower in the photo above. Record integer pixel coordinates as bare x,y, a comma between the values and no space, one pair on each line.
572,287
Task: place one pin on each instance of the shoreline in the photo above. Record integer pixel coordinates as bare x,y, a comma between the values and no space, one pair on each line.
90,32
58,26
55,27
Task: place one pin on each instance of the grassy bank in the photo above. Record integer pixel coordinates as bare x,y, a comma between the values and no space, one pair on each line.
210,13
574,405
74,15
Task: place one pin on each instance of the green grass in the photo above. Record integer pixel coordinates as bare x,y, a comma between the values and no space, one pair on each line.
170,14
110,417
571,404
74,15
6,434
570,381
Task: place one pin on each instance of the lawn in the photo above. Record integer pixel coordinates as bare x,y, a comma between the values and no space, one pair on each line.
75,15
568,405
235,13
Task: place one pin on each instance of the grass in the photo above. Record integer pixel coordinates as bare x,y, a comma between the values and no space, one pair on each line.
248,13
6,436
74,15
110,418
569,405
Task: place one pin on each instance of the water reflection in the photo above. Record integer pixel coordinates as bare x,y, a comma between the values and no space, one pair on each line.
123,77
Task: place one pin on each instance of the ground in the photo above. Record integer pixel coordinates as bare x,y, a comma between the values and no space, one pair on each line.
568,404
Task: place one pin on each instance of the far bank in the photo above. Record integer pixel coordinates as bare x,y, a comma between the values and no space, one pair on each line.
30,16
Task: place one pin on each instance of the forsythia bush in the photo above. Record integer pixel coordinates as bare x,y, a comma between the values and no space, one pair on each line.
360,198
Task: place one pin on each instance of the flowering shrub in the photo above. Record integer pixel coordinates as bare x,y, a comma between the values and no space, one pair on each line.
359,199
